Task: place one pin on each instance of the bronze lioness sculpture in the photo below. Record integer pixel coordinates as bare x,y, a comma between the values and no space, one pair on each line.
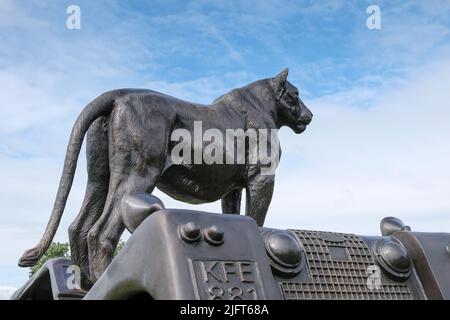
128,147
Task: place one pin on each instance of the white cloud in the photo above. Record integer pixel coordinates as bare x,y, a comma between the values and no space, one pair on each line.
412,33
6,292
12,14
201,90
35,106
358,165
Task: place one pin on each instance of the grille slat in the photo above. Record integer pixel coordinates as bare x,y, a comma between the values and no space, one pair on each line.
336,279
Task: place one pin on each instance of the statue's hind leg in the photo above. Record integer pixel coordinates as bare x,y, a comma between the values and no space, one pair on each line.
95,197
104,236
137,158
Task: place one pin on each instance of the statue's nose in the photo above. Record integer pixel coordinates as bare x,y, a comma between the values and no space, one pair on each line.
306,116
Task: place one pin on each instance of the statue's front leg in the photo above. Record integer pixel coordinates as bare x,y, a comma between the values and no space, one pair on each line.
231,202
258,196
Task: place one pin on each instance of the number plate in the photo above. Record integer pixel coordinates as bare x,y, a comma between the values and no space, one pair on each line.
226,279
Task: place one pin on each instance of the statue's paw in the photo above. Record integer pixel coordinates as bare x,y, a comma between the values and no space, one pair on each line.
29,258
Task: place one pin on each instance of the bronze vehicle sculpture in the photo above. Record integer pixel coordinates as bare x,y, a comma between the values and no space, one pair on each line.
184,254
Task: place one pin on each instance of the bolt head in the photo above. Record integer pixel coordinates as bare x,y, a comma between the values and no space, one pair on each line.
214,235
190,232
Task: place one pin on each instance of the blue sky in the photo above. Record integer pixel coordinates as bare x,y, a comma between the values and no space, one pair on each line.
378,144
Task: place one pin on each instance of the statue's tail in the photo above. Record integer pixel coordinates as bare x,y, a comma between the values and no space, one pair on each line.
101,106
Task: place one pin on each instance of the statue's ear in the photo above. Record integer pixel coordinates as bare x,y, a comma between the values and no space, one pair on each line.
279,82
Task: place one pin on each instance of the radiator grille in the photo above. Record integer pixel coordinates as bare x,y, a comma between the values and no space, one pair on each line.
338,268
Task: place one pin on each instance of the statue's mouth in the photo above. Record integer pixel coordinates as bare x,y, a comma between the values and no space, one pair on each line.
300,127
